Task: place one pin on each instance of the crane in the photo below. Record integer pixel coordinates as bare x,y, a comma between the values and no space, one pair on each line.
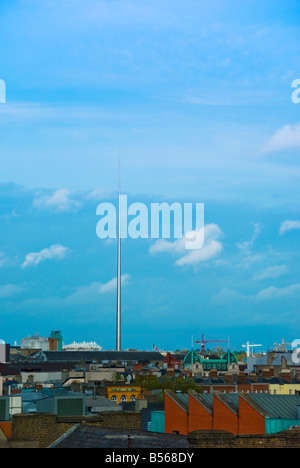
248,345
203,341
282,345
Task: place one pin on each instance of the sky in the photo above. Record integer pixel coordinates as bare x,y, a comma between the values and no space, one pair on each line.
196,99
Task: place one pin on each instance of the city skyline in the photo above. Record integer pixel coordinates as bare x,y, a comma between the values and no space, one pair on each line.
199,99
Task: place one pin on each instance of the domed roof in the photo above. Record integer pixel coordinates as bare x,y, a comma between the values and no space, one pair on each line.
2,342
192,357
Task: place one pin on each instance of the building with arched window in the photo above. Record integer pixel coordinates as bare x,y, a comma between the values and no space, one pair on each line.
203,365
123,393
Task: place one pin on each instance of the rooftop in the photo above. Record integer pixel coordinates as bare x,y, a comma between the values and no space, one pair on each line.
274,406
100,356
93,437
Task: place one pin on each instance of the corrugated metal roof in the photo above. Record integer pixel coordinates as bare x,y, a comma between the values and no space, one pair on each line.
184,397
278,406
233,399
208,398
275,406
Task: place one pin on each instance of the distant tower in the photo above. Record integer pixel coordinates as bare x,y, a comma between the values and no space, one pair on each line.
118,333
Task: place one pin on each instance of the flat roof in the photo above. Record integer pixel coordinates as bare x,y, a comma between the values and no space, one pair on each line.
123,356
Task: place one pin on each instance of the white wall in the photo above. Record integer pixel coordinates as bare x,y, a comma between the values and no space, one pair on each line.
3,353
40,377
15,405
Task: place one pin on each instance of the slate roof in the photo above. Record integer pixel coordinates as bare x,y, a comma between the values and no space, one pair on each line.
99,404
93,437
236,379
276,359
90,356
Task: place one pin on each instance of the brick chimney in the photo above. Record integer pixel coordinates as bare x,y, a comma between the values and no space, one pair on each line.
242,378
228,378
286,376
267,373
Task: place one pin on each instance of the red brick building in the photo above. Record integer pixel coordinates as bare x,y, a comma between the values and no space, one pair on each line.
172,361
235,413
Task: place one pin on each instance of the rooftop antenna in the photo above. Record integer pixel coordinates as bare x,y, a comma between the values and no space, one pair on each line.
118,332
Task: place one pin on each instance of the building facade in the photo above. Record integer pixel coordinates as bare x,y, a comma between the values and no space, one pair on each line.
238,413
123,393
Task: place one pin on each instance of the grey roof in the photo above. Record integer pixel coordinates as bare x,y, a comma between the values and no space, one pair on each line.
233,399
278,357
94,437
32,396
272,406
199,397
278,406
184,397
208,397
276,360
100,404
90,356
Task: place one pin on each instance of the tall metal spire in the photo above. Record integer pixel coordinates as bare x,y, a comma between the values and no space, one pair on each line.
118,331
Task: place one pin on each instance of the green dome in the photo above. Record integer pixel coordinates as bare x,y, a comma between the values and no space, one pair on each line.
192,357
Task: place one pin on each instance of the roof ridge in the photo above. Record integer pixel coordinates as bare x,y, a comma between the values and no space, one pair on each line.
177,400
198,397
225,400
254,404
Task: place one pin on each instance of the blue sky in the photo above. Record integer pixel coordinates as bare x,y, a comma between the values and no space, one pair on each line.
197,96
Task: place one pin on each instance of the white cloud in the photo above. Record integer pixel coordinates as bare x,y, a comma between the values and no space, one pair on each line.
245,246
112,284
229,296
90,294
9,216
278,293
211,248
288,137
56,252
288,225
9,290
226,296
4,260
83,295
59,202
272,272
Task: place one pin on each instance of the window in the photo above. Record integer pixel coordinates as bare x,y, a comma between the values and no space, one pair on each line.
114,399
123,399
